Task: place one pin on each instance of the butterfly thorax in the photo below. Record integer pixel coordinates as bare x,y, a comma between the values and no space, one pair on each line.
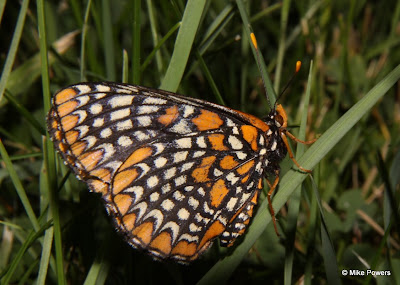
276,149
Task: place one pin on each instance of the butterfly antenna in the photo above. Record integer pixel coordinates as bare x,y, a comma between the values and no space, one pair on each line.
254,42
298,66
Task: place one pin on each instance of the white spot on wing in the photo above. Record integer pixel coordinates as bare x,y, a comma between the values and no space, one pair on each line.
102,88
154,197
180,156
166,188
189,238
158,218
169,173
83,88
180,180
98,122
152,181
146,110
193,203
105,133
174,227
201,142
118,101
96,109
184,143
183,214
82,130
117,115
231,204
160,162
198,154
188,111
124,141
137,190
178,196
124,125
155,101
167,205
235,142
180,128
83,100
144,121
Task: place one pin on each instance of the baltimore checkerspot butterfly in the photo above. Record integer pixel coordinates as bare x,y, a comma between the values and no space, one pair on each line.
174,172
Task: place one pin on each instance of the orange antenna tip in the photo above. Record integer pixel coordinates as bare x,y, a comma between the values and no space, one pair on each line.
253,40
298,65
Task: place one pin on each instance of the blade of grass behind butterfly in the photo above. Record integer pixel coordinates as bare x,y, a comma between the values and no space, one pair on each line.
183,44
136,42
264,74
83,40
13,47
108,40
293,178
294,205
282,43
50,191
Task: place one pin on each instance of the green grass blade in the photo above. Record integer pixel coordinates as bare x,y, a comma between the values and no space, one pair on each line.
108,38
282,44
294,203
264,74
13,47
136,42
19,188
83,40
183,45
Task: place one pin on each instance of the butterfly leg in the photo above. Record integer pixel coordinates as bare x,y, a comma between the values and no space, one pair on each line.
284,138
272,188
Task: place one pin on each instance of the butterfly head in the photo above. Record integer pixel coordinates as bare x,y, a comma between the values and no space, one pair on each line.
278,117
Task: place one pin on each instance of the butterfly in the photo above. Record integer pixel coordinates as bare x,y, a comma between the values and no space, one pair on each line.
174,172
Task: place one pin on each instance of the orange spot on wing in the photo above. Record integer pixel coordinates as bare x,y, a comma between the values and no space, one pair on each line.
89,160
245,167
102,173
65,95
136,157
217,141
185,249
98,186
213,231
256,122
69,122
207,120
250,135
144,232
123,202
129,221
218,192
162,243
78,148
63,147
228,162
67,108
71,136
171,114
244,179
123,179
200,174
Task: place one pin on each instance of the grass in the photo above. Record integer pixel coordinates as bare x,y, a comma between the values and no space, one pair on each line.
345,216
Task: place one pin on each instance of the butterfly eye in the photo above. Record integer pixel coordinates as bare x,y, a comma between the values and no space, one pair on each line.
279,120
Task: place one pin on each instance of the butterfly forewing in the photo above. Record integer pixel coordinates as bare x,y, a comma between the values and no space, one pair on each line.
174,172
